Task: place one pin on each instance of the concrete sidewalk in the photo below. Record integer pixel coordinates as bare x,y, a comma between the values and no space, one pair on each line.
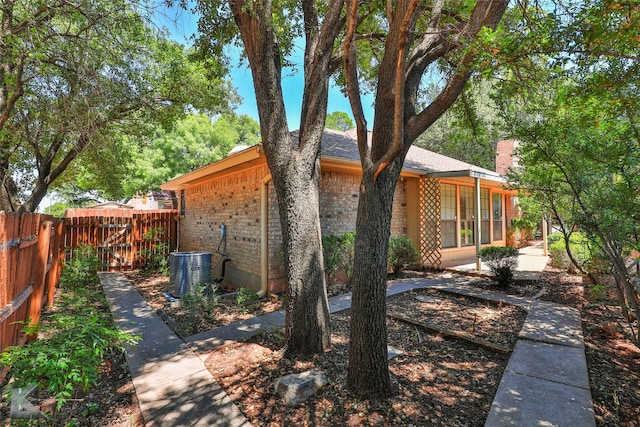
172,384
545,383
531,262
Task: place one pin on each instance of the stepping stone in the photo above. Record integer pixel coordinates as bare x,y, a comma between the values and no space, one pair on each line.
553,324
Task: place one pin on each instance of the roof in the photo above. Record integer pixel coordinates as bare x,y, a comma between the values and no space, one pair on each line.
163,195
342,147
110,205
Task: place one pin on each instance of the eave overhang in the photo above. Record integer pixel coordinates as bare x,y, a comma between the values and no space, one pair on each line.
244,158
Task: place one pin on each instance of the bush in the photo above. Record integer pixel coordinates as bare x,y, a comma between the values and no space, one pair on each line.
82,269
402,253
502,260
583,251
337,252
197,305
520,231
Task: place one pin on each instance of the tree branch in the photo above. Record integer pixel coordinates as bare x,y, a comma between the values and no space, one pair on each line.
398,114
353,85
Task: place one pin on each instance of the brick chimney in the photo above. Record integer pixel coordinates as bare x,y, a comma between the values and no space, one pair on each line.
504,155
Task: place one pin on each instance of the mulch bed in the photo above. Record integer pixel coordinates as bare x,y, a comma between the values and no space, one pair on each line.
437,380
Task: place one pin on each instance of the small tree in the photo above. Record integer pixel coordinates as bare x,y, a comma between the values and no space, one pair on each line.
502,261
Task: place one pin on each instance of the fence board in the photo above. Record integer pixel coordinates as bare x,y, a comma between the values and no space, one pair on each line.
32,252
21,235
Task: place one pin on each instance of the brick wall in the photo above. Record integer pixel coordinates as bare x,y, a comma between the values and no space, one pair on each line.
339,204
235,201
277,273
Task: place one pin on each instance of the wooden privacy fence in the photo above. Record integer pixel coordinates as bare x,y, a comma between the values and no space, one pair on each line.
30,255
122,237
34,246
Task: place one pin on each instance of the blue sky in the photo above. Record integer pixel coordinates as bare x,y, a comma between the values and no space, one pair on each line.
182,25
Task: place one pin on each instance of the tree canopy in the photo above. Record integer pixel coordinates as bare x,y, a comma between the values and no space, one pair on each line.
195,141
129,165
339,120
75,75
575,117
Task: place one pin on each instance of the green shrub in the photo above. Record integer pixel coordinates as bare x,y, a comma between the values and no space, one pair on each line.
81,270
502,260
524,223
75,341
554,238
583,251
337,252
198,305
156,258
402,253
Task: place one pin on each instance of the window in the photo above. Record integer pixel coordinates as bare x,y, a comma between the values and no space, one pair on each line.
183,202
448,217
458,215
485,217
497,216
467,216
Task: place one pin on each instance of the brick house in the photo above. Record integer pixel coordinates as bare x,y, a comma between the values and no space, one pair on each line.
435,203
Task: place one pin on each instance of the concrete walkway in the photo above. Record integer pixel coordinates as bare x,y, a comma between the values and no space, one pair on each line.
545,383
531,261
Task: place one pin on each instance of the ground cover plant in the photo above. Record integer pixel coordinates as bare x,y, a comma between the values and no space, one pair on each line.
79,352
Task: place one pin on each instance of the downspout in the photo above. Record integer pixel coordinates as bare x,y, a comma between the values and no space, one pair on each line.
478,232
264,236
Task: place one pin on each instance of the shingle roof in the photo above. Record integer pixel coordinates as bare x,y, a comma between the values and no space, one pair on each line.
343,145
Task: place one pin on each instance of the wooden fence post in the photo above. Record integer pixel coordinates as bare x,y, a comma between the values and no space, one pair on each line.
135,229
42,258
56,264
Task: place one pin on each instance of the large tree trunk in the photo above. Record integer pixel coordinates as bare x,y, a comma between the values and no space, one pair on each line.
368,366
395,128
628,297
295,167
307,328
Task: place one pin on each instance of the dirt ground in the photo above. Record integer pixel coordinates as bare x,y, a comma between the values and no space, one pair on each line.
437,380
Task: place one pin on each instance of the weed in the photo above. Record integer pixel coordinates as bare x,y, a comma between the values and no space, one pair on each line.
81,270
245,298
201,303
154,258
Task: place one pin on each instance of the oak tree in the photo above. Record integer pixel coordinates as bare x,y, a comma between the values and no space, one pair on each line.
406,40
76,74
267,31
